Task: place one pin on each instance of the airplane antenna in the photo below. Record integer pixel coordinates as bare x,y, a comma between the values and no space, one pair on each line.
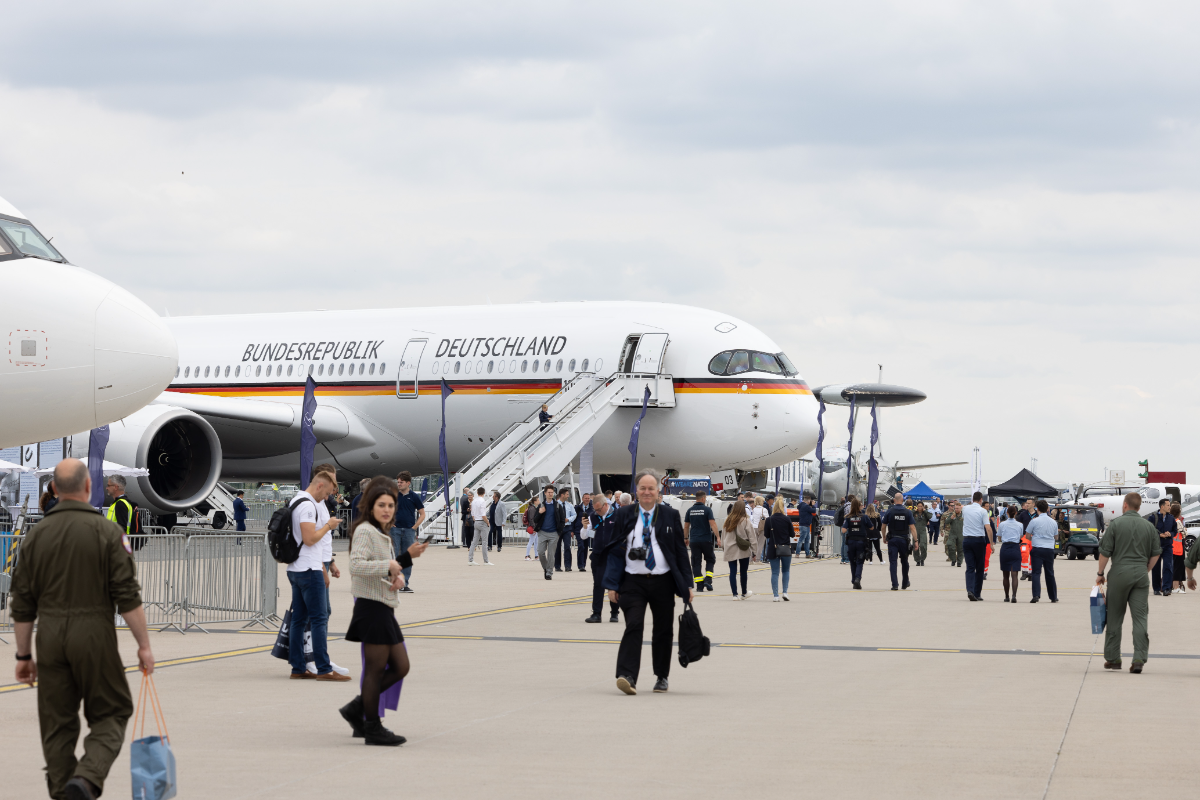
881,373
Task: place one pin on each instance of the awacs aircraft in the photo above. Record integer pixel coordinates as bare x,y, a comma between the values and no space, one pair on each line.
721,395
80,351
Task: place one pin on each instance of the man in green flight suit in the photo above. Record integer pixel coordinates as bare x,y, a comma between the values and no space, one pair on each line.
952,533
74,569
1132,545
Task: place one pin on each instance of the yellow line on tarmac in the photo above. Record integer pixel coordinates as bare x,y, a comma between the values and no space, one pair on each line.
914,650
1064,654
439,636
766,646
591,641
531,606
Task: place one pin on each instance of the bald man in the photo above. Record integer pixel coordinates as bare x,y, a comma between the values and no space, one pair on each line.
75,571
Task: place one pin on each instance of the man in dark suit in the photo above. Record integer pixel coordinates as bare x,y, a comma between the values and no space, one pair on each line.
603,518
583,513
647,565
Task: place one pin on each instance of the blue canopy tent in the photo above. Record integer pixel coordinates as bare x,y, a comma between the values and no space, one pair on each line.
922,492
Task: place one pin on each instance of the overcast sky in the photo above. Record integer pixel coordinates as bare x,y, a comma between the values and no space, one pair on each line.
998,202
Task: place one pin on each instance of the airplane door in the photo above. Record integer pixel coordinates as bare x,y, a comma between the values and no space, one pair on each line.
648,357
406,380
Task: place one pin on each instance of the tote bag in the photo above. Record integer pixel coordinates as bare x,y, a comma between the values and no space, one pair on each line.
151,760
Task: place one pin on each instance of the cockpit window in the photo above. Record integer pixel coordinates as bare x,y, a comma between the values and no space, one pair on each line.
4,249
733,362
764,362
740,362
719,363
28,240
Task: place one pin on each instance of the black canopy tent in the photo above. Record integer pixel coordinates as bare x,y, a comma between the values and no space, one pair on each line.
1023,484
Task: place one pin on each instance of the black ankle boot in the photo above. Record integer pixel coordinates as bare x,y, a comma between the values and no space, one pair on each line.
375,733
352,712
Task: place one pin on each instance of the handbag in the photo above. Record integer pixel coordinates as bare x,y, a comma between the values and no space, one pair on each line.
1099,610
151,759
783,551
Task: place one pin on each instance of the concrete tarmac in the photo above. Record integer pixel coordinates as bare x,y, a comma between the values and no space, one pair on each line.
835,694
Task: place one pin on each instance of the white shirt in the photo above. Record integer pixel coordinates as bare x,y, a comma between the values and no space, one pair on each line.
758,514
975,520
309,510
479,508
635,567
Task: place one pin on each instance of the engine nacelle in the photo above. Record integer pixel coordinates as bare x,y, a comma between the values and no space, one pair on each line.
180,449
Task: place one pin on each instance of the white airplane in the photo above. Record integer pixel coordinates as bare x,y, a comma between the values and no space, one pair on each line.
81,352
724,396
834,480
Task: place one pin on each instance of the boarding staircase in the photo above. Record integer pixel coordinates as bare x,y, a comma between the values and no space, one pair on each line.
529,451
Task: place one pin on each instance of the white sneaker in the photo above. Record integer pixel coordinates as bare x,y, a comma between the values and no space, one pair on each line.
785,597
747,594
735,597
470,563
339,670
488,563
311,667
775,599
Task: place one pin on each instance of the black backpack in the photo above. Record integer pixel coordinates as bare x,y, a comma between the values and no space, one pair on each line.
693,644
280,538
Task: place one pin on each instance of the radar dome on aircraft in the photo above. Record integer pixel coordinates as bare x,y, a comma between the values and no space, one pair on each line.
883,395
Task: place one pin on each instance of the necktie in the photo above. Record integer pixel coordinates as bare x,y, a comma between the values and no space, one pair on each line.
646,541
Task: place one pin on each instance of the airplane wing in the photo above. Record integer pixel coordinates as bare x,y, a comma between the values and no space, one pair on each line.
931,466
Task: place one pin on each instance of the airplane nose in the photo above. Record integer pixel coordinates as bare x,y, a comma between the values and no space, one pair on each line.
136,355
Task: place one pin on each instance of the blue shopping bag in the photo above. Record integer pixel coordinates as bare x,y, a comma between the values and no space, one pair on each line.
151,760
1099,610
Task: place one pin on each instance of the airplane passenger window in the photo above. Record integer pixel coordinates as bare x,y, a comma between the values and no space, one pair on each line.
558,366
457,364
176,371
763,362
500,366
268,370
490,365
535,365
571,366
599,364
382,366
341,369
321,369
446,368
1151,493
512,366
362,369
311,367
371,371
546,366
187,371
525,365
719,362
739,362
467,368
258,370
237,371
436,367
479,367
289,370
206,372
227,372
584,366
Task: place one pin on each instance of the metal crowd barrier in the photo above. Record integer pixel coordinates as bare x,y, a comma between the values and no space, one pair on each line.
161,559
10,547
228,581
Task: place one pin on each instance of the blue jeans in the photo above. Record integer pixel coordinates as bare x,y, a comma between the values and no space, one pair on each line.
804,542
776,565
309,608
845,552
402,539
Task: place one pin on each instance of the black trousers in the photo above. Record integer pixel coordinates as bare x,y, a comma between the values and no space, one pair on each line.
857,548
496,537
703,551
563,551
468,532
583,545
898,548
974,554
598,589
935,527
637,592
1043,557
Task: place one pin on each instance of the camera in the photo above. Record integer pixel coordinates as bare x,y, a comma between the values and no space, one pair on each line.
638,553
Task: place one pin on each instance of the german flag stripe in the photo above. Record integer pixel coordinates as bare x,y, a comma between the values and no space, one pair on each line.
740,386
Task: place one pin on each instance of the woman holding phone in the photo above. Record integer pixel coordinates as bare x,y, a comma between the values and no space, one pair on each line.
375,577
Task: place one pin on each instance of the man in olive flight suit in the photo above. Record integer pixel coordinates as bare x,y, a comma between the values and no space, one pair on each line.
952,533
1131,543
74,569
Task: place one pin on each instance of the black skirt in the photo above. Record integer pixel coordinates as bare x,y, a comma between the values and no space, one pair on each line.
373,623
1010,557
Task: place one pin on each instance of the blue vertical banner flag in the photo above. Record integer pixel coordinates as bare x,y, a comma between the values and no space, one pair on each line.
424,488
873,465
443,459
820,447
850,448
97,445
308,439
633,443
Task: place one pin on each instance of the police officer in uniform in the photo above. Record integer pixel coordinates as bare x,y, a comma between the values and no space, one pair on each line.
75,570
699,531
1132,544
602,534
900,525
855,528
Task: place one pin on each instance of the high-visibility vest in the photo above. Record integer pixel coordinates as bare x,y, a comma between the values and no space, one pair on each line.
1177,544
112,514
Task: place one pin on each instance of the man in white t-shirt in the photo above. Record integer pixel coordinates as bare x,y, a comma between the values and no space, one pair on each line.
479,515
312,526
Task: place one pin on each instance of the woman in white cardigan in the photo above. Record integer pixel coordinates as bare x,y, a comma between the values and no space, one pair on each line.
737,542
375,577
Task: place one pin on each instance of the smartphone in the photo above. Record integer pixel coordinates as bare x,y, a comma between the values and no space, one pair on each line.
425,537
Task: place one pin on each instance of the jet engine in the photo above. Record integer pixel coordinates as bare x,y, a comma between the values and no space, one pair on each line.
179,448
